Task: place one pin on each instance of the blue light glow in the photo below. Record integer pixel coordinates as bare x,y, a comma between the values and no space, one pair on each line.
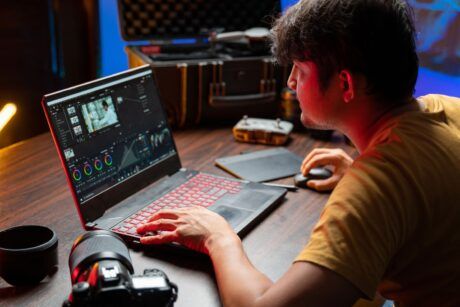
114,59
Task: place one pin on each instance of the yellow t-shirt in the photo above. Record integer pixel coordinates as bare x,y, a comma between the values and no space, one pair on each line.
392,224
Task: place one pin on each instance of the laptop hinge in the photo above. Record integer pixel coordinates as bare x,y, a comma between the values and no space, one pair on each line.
90,225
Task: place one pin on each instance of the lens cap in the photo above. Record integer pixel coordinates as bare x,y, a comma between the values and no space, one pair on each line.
27,254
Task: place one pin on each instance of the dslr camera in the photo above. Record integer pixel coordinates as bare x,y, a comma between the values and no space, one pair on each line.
101,273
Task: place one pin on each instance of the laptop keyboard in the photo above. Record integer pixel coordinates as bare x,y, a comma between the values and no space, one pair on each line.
201,190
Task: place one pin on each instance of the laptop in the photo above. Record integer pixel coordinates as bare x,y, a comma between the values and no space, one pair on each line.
122,165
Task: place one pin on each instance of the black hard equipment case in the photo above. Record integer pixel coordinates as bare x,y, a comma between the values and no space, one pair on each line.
202,79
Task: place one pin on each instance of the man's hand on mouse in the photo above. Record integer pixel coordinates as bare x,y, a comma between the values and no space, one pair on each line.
337,158
195,227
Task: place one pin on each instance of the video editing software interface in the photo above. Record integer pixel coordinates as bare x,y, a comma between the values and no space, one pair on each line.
110,132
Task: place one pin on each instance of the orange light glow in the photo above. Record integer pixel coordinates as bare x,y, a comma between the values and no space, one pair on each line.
6,114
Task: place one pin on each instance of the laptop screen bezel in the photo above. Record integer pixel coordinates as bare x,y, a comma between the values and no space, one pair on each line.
95,207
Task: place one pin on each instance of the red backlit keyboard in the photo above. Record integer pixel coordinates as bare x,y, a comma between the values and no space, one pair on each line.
201,190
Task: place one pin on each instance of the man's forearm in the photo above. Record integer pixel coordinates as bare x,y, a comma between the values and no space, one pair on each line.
240,283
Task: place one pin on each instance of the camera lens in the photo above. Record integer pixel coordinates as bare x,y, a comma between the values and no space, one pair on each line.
102,275
95,246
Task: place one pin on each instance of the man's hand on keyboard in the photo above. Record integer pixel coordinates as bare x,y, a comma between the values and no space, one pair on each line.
196,228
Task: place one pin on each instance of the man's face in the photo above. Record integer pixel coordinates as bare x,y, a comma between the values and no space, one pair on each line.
317,106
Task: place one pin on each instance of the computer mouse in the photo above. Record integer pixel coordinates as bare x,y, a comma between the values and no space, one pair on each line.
315,173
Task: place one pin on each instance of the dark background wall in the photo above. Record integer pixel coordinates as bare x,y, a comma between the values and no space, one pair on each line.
44,45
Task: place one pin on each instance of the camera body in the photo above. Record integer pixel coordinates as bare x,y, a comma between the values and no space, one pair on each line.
103,277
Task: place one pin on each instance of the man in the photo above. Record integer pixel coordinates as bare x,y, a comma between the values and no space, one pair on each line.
391,223
110,117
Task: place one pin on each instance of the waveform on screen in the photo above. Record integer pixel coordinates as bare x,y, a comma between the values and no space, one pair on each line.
159,138
132,153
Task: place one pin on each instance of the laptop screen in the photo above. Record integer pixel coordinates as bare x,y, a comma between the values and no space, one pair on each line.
109,131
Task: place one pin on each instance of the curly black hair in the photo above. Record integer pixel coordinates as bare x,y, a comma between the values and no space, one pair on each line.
375,38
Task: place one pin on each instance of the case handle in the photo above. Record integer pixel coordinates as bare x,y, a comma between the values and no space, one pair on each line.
217,89
242,100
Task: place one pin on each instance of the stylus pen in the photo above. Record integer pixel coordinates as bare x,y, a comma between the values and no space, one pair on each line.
286,186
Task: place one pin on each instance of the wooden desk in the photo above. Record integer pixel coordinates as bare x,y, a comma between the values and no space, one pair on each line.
33,190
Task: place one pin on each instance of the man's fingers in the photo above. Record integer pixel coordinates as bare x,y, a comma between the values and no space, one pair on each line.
164,237
162,224
164,214
312,153
337,157
323,185
319,160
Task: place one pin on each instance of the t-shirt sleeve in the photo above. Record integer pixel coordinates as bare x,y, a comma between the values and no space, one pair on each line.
359,229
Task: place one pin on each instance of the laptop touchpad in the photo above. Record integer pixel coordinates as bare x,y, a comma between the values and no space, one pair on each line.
247,199
233,216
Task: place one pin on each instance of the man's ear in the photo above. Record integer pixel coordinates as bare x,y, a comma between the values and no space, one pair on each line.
347,86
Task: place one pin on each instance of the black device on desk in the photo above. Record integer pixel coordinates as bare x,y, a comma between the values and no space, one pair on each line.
316,173
122,164
261,165
101,274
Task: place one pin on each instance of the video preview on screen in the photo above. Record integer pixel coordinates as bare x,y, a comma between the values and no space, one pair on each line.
99,114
